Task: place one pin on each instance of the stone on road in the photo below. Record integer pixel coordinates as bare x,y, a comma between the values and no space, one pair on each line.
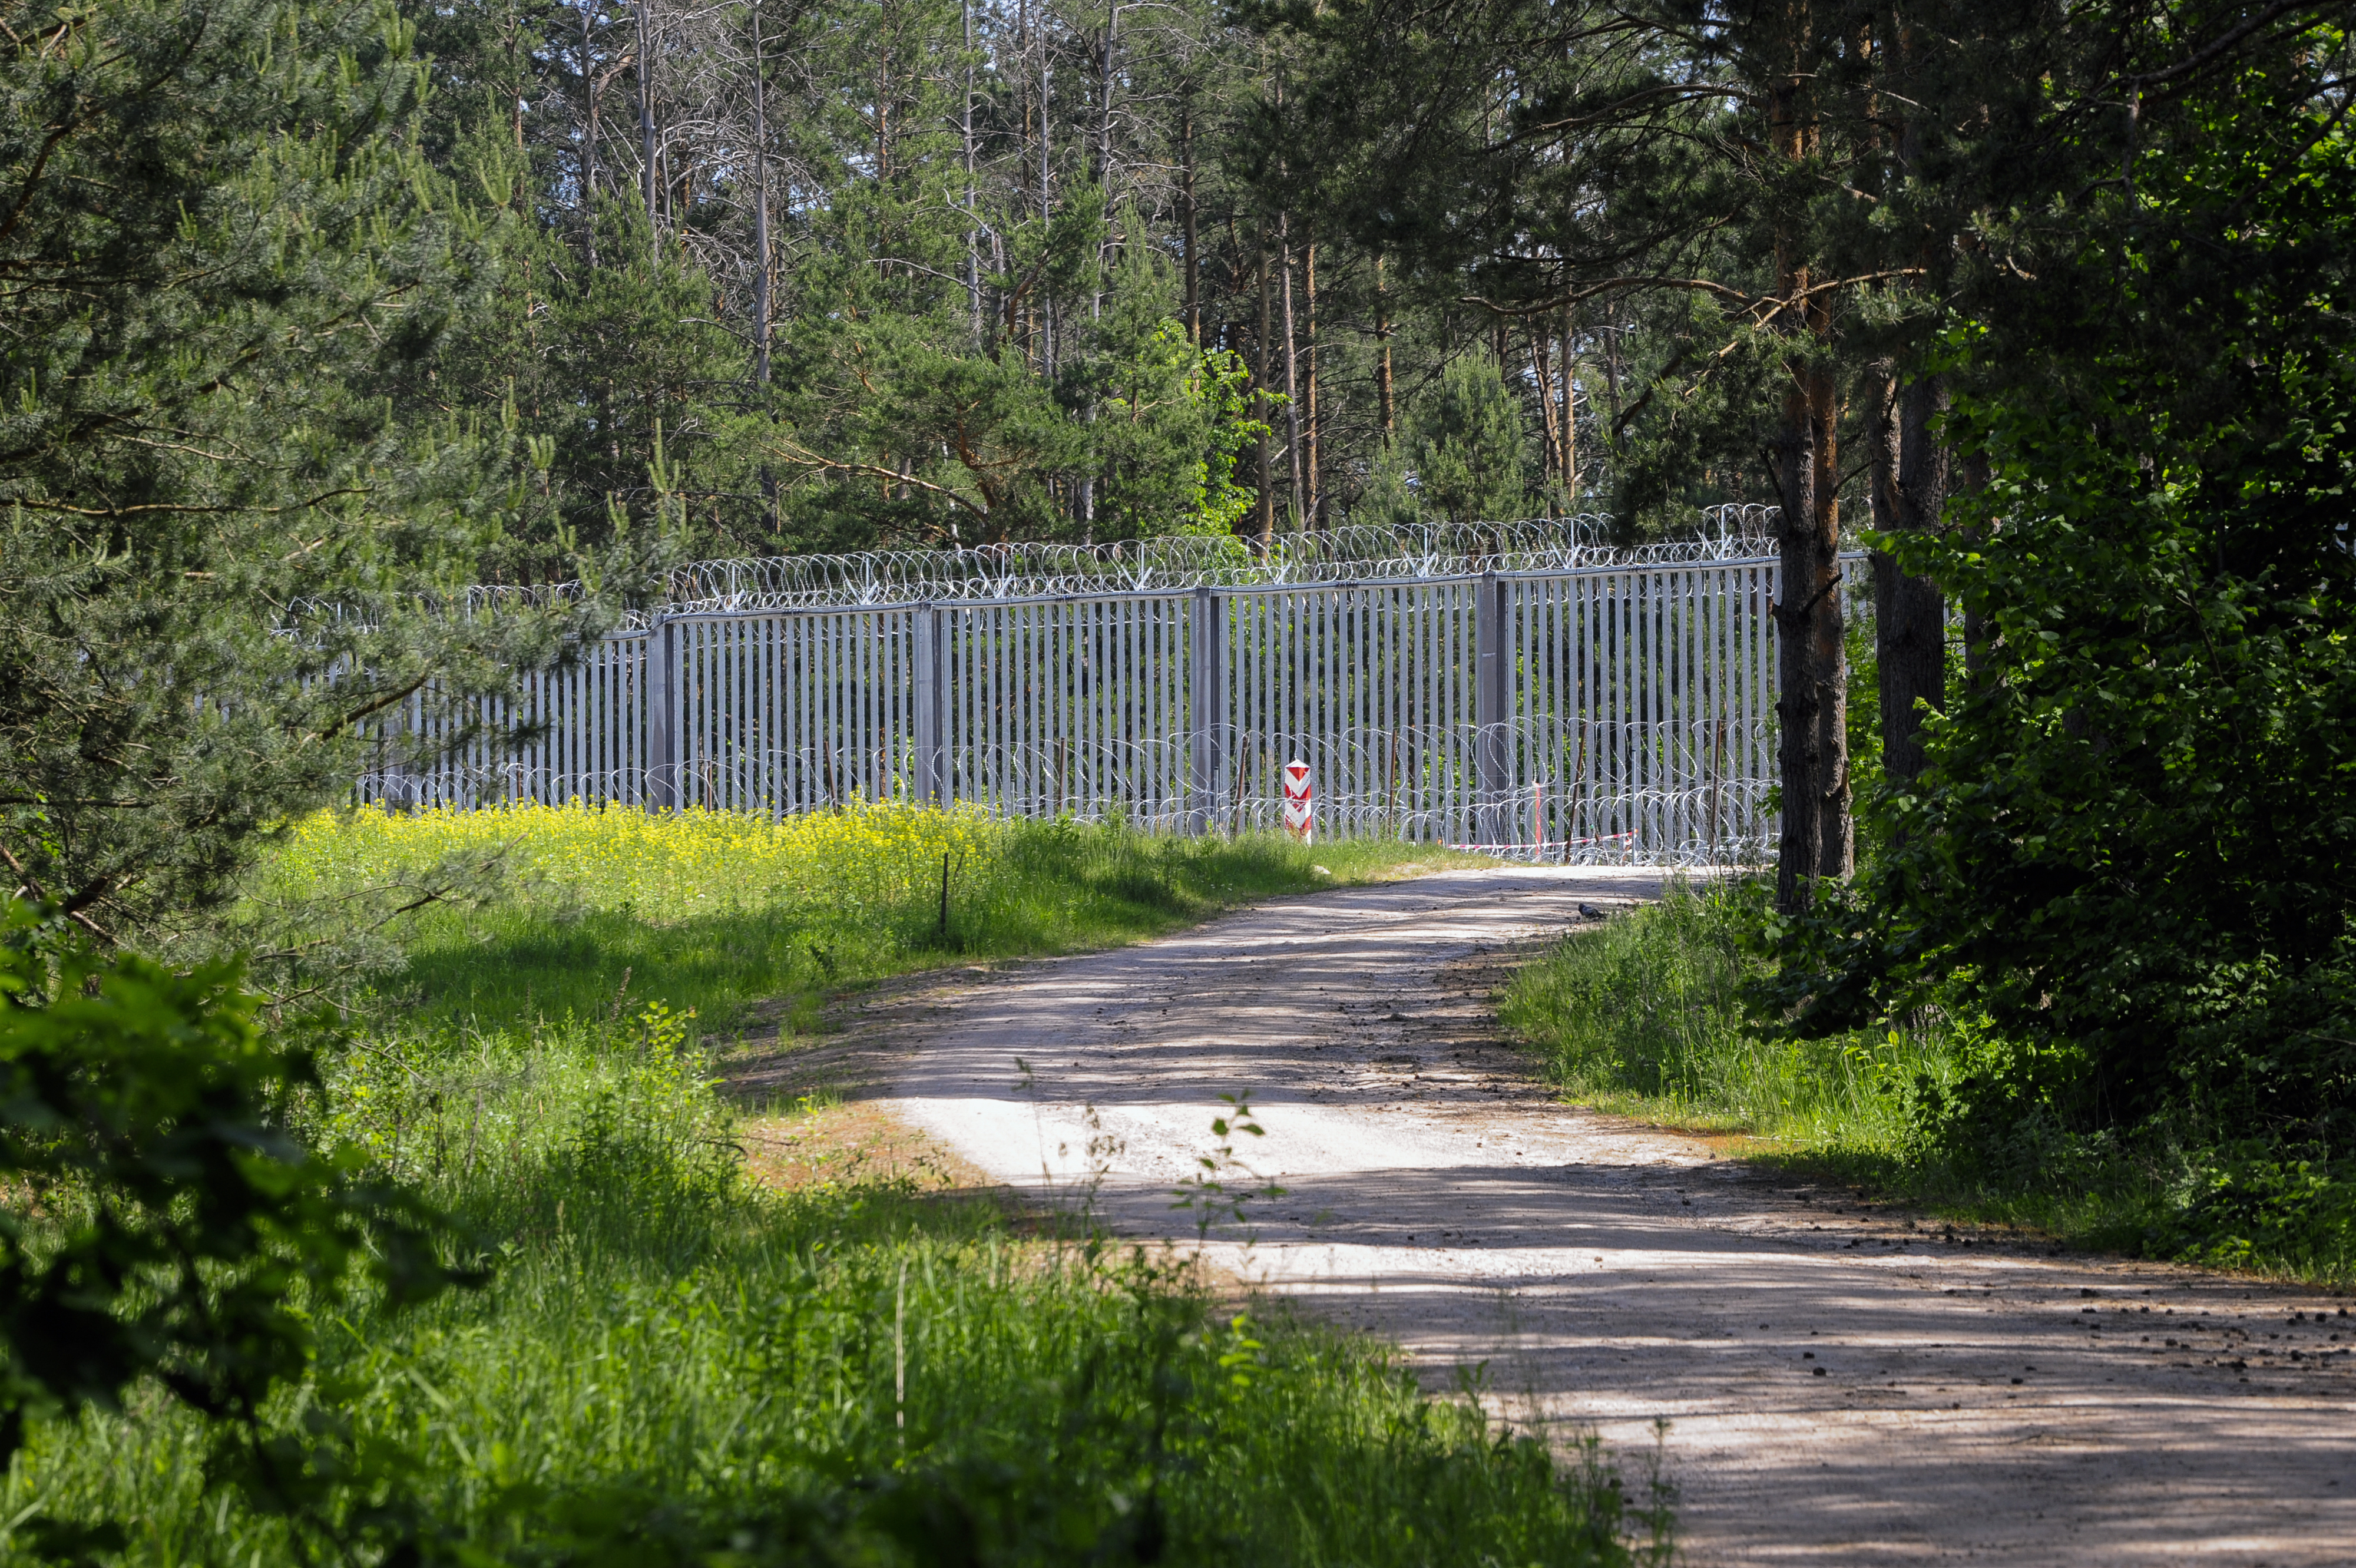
1838,1385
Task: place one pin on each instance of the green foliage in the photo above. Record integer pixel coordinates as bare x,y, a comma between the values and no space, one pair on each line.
1170,421
1469,447
601,366
1645,1015
901,425
732,939
1387,499
2253,1208
970,340
227,500
897,430
165,1219
1589,186
1700,431
1865,764
2135,850
672,1364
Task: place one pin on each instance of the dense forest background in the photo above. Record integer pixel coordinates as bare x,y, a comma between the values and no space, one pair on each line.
324,312
910,273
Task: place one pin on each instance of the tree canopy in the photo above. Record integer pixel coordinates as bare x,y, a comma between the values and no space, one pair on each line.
236,513
2129,848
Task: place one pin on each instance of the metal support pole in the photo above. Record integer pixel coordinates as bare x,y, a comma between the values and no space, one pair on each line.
932,700
1491,752
1206,700
663,737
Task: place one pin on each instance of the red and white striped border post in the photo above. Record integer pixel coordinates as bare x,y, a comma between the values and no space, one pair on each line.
1299,806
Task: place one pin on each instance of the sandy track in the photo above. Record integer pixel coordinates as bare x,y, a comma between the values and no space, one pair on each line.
1840,1386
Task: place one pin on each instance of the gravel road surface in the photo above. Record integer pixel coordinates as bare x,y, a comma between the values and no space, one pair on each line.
1840,1385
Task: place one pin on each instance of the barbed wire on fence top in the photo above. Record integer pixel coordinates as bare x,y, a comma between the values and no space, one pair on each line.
1177,562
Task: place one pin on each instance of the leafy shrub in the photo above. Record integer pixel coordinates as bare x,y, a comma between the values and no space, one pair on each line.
1653,1014
2132,853
166,1225
2256,1205
1646,1014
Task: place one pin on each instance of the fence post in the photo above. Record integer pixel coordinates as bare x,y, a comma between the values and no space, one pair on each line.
1206,703
1491,752
662,792
932,699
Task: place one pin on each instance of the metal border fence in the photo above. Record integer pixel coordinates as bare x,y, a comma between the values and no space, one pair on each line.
1615,713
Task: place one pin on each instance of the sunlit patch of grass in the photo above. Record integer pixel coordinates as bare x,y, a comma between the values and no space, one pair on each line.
676,1364
1640,1017
717,1332
717,911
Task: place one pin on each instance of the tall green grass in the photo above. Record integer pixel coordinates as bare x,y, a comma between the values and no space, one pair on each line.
1641,1016
670,1365
726,912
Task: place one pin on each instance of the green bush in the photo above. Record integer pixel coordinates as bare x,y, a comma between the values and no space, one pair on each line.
2255,1206
2131,851
1644,1014
165,1228
1651,1014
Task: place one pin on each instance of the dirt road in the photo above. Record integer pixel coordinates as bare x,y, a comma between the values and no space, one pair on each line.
1840,1386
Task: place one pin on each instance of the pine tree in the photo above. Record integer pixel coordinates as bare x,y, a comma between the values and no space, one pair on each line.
1543,157
595,362
233,521
1471,447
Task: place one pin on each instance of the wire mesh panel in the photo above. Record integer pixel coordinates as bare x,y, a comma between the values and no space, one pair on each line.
789,711
575,731
1615,713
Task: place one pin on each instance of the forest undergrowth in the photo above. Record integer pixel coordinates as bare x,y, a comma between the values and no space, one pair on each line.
1646,1017
670,1363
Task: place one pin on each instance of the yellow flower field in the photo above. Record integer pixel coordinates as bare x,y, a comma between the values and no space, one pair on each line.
573,911
662,865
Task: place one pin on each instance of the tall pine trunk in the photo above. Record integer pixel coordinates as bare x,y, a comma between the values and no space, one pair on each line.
1811,667
972,232
1291,370
647,117
1910,614
763,311
1262,347
1315,510
1817,840
1909,624
1189,242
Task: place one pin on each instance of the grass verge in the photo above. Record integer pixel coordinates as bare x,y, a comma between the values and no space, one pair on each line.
1640,1017
672,1363
723,912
